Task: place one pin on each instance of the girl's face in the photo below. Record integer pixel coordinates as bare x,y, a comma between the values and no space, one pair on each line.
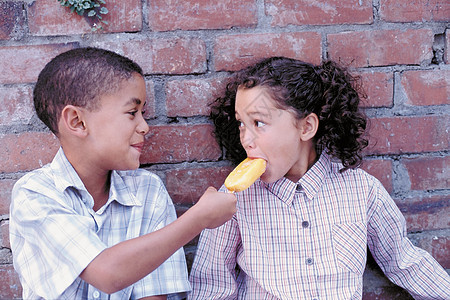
273,134
117,129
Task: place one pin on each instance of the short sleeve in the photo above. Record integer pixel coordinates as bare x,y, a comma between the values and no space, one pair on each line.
171,277
51,244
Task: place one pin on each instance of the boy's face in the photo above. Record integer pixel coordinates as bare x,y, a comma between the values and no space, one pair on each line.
116,130
270,133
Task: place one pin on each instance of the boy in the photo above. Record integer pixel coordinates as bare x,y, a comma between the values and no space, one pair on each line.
91,223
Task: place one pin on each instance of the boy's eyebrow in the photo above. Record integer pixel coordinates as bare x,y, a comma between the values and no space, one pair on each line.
133,100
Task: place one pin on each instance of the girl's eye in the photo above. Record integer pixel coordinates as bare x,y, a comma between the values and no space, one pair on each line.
259,124
133,112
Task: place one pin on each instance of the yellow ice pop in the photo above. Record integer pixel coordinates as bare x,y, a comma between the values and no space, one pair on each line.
245,174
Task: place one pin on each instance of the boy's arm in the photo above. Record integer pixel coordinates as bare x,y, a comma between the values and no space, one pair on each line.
127,262
404,264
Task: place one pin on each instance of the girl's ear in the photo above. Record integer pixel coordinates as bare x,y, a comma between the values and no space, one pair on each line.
309,126
72,120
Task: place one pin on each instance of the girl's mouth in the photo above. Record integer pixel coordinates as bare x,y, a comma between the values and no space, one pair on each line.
138,146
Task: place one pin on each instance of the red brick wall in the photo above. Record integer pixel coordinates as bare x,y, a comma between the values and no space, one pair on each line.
187,48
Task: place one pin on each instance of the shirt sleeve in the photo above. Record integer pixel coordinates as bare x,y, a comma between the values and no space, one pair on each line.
51,244
171,277
213,274
408,266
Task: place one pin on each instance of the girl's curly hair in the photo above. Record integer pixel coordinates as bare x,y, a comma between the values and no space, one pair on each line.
328,90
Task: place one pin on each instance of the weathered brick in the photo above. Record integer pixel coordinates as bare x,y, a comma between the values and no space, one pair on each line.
190,15
414,11
186,186
26,151
12,19
188,98
381,47
10,287
430,87
379,88
381,169
435,243
233,52
6,186
4,234
177,143
428,173
425,213
396,135
447,47
176,55
48,17
150,111
316,12
16,105
22,64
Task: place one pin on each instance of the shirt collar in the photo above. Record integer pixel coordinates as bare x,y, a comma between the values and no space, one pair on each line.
310,183
65,177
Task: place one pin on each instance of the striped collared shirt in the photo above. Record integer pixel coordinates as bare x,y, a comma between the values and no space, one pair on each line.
55,233
308,240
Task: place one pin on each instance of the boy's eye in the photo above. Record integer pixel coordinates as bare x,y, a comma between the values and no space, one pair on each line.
133,112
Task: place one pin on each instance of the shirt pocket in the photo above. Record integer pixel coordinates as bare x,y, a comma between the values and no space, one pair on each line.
350,246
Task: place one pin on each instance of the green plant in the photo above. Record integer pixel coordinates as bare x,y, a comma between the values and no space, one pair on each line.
94,8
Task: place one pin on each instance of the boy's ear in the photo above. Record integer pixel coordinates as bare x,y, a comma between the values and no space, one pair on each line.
309,126
72,119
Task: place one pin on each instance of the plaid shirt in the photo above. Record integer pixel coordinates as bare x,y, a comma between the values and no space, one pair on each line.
308,240
55,233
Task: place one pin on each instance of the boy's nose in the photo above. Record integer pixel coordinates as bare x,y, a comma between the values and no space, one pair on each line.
143,127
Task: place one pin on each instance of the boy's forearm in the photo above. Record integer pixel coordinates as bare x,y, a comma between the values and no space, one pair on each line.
125,263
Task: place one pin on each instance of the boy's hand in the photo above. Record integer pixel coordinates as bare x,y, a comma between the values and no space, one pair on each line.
216,207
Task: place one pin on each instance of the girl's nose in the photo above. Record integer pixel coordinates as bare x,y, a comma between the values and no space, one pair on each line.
248,139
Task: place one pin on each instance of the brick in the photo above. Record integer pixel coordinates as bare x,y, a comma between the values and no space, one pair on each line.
6,186
428,173
10,287
177,55
178,143
379,88
22,64
447,47
316,12
4,234
381,47
187,98
12,20
190,15
48,17
397,135
436,243
186,186
381,169
150,111
425,213
414,11
233,52
27,151
430,87
16,105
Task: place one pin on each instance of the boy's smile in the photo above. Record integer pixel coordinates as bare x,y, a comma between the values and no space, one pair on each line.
271,133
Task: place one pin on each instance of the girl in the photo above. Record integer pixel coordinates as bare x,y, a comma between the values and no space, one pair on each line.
302,230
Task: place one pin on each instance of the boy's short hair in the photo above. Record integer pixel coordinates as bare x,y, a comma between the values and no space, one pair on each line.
79,77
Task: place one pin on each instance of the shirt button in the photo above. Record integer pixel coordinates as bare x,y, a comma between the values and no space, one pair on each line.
305,224
309,261
96,294
298,188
